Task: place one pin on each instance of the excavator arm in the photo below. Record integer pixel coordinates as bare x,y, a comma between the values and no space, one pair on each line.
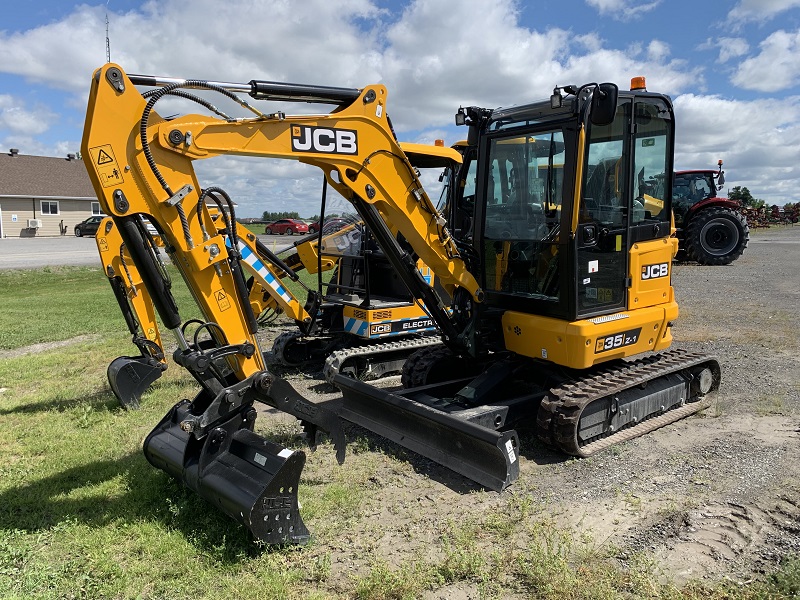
353,145
130,376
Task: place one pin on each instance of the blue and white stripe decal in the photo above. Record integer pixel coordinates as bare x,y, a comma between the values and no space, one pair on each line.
252,259
355,326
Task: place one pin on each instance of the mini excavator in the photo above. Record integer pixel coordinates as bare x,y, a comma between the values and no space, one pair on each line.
362,321
553,297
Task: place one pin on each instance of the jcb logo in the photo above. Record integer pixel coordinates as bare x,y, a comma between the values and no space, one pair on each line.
382,328
324,140
655,271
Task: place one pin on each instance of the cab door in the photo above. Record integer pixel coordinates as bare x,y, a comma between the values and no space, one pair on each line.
625,199
602,230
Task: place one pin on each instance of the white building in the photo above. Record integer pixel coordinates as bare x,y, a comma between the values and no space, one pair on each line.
43,196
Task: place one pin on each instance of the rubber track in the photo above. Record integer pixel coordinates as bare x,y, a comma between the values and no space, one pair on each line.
337,360
417,365
559,413
280,344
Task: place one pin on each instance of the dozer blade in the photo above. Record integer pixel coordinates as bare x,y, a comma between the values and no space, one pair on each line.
484,455
250,479
130,376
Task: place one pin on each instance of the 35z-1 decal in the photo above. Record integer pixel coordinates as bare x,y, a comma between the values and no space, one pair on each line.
617,340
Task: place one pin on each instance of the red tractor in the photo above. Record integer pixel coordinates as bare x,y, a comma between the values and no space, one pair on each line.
711,230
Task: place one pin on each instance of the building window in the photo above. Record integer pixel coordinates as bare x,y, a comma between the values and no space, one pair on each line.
49,207
96,211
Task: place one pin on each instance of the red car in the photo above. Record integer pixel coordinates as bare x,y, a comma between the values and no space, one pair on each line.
287,226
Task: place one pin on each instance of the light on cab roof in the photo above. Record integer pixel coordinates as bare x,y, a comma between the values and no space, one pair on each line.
638,84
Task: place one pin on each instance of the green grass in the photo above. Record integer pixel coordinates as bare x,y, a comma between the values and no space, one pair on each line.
55,304
83,515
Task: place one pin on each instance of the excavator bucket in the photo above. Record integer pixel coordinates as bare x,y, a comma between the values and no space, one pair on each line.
250,479
462,442
130,376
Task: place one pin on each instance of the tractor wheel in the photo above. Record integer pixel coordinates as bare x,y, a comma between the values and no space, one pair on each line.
716,236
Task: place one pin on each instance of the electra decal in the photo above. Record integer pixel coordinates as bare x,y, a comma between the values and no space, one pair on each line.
655,271
401,326
324,140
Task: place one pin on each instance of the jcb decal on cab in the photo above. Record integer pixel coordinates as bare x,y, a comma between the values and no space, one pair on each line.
655,271
324,140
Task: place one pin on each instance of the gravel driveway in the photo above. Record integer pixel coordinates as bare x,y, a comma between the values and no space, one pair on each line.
715,495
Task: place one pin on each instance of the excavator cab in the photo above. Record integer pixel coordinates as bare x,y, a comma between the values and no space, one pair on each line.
557,225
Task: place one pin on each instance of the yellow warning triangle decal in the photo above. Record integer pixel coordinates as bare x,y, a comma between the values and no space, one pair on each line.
103,158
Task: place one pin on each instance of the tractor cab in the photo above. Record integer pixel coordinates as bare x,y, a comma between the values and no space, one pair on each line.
692,187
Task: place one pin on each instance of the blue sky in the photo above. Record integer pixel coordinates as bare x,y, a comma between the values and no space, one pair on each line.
732,68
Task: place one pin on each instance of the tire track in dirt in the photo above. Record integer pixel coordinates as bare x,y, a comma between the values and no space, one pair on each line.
724,537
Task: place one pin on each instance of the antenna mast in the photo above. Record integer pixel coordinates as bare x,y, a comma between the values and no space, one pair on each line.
108,41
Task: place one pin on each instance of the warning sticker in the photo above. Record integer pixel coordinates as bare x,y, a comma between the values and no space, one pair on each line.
222,300
512,456
106,165
102,244
151,333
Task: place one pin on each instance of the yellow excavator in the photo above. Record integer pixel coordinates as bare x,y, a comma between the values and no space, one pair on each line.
551,277
362,321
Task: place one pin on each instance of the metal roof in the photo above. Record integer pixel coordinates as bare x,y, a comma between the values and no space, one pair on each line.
44,177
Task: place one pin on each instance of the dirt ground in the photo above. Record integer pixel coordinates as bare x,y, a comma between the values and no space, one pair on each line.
712,496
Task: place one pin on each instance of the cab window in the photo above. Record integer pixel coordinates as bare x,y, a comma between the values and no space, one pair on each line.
524,195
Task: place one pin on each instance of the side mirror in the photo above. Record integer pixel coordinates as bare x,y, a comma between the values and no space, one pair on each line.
721,180
472,135
604,104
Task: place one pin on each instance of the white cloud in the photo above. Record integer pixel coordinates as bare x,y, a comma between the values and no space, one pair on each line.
759,10
434,57
731,48
275,40
622,10
756,139
21,119
494,61
776,67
